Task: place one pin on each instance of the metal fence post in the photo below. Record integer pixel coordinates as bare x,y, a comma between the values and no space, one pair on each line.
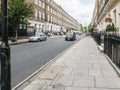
5,50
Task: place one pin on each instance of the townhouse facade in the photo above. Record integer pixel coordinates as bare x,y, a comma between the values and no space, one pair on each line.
106,9
50,17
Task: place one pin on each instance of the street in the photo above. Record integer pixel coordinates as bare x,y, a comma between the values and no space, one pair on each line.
60,45
29,57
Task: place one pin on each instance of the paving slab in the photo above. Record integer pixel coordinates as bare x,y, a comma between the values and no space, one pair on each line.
102,66
109,72
84,82
67,71
54,87
108,82
80,72
85,66
51,72
102,89
63,80
33,87
41,82
76,88
95,72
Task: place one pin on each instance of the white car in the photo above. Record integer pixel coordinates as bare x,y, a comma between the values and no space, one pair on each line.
38,37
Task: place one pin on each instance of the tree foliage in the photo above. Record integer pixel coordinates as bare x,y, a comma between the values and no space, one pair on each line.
90,27
110,27
81,26
18,13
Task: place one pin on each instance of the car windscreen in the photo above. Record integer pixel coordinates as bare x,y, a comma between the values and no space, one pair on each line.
69,34
37,35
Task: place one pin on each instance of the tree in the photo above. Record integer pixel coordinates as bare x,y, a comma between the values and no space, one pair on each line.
90,27
85,29
81,27
18,13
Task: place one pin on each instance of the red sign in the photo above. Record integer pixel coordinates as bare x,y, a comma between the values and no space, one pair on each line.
108,20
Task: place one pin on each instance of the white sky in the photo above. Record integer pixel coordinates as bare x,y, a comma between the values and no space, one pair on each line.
81,10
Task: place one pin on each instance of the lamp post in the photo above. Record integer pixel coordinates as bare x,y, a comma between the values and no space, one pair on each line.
5,50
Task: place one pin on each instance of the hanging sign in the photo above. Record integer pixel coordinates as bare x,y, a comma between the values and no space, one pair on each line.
108,20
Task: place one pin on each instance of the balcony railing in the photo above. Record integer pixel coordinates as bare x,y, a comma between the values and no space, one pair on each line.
106,1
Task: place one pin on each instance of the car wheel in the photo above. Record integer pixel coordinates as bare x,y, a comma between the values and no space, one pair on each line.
38,40
65,39
45,39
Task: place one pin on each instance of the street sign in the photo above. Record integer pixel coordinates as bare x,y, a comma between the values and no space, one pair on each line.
108,20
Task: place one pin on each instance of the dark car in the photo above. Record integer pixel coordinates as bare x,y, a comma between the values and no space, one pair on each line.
70,36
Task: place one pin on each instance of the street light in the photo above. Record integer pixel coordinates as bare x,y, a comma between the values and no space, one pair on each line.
5,50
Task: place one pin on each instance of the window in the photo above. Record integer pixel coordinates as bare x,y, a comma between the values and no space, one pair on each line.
48,0
43,5
40,15
51,10
114,15
43,15
51,3
40,3
55,13
48,18
36,2
51,19
20,26
119,10
48,8
36,13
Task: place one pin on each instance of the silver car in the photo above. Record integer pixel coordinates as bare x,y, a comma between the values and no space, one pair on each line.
38,37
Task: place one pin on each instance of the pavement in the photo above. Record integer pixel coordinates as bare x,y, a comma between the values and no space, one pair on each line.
82,67
20,41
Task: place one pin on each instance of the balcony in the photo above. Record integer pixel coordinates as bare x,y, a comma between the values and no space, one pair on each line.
102,10
111,5
107,7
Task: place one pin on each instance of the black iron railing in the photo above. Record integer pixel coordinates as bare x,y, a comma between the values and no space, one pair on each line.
97,37
112,48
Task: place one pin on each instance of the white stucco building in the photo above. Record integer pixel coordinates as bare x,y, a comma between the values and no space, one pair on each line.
106,9
50,17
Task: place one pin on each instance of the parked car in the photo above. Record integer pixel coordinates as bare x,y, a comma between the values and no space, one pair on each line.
38,37
70,36
80,33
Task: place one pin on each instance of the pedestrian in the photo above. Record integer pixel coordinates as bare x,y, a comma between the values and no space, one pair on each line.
49,34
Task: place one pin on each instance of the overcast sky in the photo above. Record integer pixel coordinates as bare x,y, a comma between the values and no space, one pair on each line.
81,10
